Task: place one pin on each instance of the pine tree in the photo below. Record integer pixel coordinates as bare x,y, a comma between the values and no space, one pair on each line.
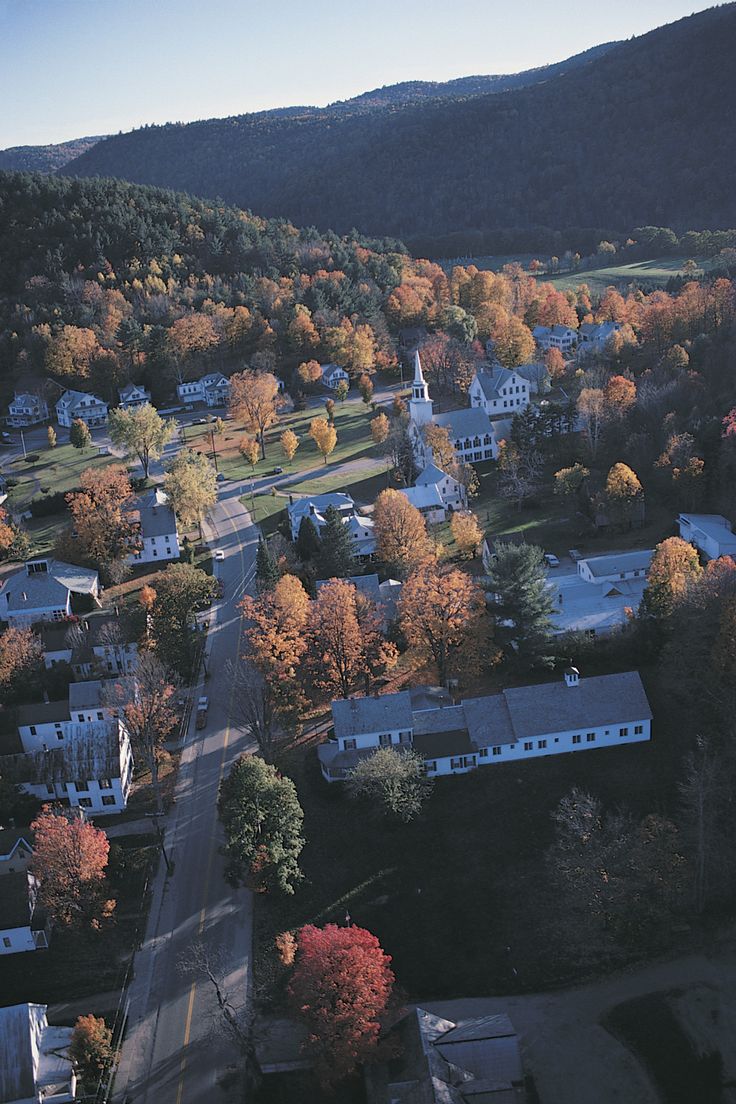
524,605
307,541
336,556
267,572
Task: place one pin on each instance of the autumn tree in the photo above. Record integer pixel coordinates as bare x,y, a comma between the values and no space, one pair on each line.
380,428
365,387
440,615
289,444
103,531
142,432
70,352
181,590
250,450
51,437
91,1051
401,534
192,336
6,532
524,604
623,493
569,481
330,408
336,554
466,532
255,400
619,396
438,439
310,372
592,413
675,564
520,470
69,860
276,642
21,662
324,435
263,820
79,435
556,364
342,389
392,780
340,989
191,486
684,467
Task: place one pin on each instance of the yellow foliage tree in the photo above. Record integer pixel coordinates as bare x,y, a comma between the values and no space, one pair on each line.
324,435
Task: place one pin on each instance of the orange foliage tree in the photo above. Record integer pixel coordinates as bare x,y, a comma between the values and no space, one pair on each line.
255,400
401,534
324,435
440,615
101,521
69,860
346,644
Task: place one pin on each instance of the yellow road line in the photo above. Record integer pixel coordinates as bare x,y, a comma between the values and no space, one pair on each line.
203,910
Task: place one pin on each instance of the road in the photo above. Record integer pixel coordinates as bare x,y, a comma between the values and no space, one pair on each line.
170,1053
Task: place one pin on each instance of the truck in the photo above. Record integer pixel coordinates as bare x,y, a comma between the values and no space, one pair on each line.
202,706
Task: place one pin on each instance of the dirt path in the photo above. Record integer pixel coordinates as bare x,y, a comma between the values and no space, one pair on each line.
576,1061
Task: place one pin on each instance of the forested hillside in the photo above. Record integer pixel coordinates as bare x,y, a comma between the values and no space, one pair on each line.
643,134
45,158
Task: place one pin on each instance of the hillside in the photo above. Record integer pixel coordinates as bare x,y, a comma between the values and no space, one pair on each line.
642,134
45,158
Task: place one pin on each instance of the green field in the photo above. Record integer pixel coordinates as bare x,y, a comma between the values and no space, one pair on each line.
55,470
649,274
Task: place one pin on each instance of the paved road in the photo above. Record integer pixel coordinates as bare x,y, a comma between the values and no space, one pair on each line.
170,1055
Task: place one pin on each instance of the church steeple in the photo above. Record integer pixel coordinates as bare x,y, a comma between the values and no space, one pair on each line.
420,404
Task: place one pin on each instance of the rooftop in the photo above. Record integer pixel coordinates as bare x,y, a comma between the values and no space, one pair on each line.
32,1061
381,713
97,693
619,563
470,422
492,382
44,589
431,474
15,900
557,707
37,713
13,838
91,751
320,503
582,606
424,496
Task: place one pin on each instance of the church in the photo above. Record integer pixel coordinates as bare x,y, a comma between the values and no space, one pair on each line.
496,395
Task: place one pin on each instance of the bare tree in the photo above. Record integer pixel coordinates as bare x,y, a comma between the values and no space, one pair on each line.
255,707
704,792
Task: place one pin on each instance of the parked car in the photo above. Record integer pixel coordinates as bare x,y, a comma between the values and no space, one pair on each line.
220,589
202,707
220,477
551,560
575,555
277,471
219,554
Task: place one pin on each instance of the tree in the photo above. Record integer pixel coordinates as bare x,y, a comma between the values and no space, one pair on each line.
263,820
218,426
79,435
181,590
568,481
401,534
675,564
142,432
91,1050
623,493
705,797
69,860
21,662
440,614
336,555
102,526
276,642
619,396
191,486
307,540
340,989
393,780
342,389
255,399
365,386
324,435
524,604
289,444
556,364
591,410
519,471
257,705
380,427
149,708
7,534
250,450
466,532
401,452
437,438
346,644
267,571
51,437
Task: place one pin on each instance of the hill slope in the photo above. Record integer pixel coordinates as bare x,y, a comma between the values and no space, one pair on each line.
642,134
45,158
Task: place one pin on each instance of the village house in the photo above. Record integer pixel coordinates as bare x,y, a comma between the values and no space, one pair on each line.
44,724
212,390
453,493
16,850
499,391
361,530
600,594
439,1061
564,338
520,723
23,925
426,498
316,507
384,595
97,643
157,536
78,404
91,767
333,375
133,396
27,410
710,533
34,1066
536,374
42,590
593,337
472,433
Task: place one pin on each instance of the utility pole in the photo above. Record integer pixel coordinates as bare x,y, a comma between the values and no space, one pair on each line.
214,450
23,443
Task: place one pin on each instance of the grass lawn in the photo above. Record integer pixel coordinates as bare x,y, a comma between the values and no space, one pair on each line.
448,893
55,470
652,274
269,511
82,963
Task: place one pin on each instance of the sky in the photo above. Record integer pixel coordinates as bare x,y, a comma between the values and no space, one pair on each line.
71,68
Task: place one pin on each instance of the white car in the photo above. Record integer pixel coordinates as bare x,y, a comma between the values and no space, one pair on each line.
551,560
219,554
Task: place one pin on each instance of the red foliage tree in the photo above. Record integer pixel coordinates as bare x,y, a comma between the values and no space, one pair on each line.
70,858
340,988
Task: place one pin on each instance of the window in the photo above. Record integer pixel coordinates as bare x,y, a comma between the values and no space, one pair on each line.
623,732
108,800
483,753
80,716
576,739
405,737
81,784
432,765
590,737
350,745
100,715
541,743
385,739
49,788
33,730
497,751
6,941
85,802
105,784
456,764
638,730
528,745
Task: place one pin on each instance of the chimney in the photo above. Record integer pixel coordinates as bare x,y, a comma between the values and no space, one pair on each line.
572,676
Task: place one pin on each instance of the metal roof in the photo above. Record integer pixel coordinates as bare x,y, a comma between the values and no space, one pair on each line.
619,562
382,713
556,707
470,422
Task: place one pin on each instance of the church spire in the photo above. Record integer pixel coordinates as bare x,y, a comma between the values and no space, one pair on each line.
420,404
418,374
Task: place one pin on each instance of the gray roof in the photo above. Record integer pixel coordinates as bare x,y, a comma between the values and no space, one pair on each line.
15,900
384,713
42,713
489,721
17,1074
13,838
440,745
425,496
366,584
431,474
492,382
47,589
320,503
557,707
96,693
620,562
447,718
470,422
91,751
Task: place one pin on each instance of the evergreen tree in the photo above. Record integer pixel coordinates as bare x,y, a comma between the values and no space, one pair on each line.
267,572
336,556
79,434
524,603
307,541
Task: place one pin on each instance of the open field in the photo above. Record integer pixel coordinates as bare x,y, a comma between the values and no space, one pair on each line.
650,274
55,470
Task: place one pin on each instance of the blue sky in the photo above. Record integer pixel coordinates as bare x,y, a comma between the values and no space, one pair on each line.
75,67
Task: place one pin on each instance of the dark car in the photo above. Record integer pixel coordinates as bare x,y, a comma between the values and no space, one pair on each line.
277,471
220,477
